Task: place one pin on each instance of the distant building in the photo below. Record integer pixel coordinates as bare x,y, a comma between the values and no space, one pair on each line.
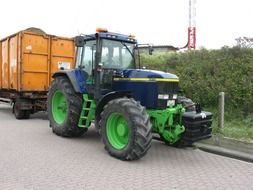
159,48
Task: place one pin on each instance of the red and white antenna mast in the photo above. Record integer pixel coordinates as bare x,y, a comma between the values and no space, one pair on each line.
192,25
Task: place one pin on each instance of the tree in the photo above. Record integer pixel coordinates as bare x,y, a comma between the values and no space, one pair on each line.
244,42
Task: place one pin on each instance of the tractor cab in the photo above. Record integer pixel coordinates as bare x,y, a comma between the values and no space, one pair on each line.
102,56
107,63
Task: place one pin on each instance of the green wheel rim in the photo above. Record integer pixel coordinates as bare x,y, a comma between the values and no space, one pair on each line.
59,107
117,130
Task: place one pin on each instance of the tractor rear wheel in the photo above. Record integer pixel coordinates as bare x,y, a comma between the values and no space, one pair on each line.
125,129
64,107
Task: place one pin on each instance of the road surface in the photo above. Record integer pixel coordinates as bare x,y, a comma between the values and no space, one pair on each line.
32,157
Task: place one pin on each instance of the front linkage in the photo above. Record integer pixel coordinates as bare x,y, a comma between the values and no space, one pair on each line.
179,127
168,123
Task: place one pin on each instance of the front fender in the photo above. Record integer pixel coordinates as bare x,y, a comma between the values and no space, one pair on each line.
108,97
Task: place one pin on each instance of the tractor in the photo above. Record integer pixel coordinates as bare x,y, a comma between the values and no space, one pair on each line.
128,105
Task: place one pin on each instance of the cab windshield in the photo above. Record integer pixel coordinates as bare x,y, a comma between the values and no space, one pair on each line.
117,55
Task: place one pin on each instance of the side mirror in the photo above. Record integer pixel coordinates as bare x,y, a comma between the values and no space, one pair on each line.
79,41
150,50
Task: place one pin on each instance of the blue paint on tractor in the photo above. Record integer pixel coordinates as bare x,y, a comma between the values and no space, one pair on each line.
81,80
116,36
112,36
141,73
142,91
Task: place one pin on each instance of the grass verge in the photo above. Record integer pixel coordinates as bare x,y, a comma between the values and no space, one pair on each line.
236,125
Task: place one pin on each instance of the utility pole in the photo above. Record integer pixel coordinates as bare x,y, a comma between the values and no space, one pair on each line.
192,25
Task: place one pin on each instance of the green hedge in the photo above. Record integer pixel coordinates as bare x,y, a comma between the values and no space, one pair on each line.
204,73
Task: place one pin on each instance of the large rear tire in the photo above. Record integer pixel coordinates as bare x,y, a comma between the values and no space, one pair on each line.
64,106
125,129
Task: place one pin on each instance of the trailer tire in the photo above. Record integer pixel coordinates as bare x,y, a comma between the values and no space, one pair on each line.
27,114
20,114
64,106
125,129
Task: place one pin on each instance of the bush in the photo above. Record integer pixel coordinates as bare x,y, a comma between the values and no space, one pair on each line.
204,73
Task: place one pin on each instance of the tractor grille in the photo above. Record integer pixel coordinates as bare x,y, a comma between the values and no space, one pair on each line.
169,88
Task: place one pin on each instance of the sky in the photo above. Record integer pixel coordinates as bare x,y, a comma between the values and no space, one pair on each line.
160,22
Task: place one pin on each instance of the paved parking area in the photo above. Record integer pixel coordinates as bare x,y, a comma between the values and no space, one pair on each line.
32,157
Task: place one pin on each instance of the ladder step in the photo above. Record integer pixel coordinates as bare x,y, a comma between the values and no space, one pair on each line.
86,109
83,126
83,117
87,100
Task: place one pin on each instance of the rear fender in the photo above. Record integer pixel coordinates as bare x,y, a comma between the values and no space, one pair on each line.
76,77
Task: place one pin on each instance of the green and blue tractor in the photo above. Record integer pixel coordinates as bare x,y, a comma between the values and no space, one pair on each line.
128,105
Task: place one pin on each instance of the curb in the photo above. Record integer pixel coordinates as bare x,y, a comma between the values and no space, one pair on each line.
225,152
227,147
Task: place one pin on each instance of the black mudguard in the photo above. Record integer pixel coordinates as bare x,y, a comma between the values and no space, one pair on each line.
106,98
76,77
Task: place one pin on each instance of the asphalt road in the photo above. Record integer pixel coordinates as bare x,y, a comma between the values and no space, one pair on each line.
32,157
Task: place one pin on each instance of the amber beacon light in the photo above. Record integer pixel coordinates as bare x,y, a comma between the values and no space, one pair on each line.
101,30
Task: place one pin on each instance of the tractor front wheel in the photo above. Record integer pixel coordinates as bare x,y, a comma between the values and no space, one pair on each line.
125,129
64,107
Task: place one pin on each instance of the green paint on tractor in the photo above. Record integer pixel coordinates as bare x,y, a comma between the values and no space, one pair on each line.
168,122
117,130
87,113
59,107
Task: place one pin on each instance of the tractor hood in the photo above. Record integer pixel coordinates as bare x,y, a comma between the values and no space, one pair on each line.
149,74
147,86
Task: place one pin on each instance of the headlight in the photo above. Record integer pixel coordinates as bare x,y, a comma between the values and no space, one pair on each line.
171,103
174,97
163,96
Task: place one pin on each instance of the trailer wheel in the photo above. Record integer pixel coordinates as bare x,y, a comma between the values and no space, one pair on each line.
125,129
27,114
20,114
64,108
